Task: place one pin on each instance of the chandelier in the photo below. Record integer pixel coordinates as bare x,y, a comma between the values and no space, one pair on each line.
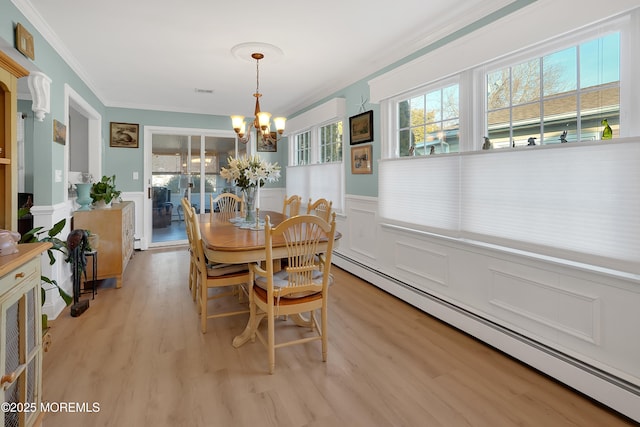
261,122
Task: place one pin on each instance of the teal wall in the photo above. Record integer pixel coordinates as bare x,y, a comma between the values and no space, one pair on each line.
46,157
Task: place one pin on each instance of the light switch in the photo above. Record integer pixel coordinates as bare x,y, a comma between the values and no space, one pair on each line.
135,176
58,175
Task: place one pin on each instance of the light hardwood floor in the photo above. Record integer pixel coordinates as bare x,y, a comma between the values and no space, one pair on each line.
139,354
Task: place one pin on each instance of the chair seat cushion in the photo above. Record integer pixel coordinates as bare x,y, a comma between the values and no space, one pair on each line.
262,294
219,269
281,280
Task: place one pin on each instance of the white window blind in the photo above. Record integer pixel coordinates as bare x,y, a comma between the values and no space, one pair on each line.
580,203
422,191
316,181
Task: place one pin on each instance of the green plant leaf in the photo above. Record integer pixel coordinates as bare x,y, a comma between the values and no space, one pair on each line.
30,236
23,211
68,299
57,227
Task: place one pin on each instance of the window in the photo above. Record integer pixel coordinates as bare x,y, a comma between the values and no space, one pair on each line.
302,148
429,123
573,201
331,143
560,97
316,168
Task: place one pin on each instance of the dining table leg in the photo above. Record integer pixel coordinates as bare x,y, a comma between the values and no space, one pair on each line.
249,330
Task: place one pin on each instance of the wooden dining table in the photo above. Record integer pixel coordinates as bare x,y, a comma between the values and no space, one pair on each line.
225,242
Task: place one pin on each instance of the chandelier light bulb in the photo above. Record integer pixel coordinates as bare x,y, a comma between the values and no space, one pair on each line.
279,124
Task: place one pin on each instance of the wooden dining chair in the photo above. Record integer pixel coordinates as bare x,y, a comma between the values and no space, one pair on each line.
193,267
301,287
291,205
228,277
226,202
321,208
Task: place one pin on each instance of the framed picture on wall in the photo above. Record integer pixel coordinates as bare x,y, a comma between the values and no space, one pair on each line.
361,159
361,128
123,135
59,132
24,42
270,145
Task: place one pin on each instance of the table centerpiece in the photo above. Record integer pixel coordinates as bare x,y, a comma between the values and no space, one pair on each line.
250,173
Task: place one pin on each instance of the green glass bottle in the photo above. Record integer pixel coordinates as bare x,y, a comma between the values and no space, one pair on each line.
607,133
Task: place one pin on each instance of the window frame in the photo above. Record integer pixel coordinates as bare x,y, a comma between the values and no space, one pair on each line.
326,146
308,179
575,39
298,152
488,197
472,84
423,91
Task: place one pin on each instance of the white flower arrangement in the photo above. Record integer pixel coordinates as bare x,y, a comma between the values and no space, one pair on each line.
247,172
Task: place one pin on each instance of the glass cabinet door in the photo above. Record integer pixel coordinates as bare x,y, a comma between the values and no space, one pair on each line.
21,357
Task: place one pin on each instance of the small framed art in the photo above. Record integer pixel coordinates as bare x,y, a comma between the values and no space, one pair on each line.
361,128
59,132
361,159
24,42
268,145
123,135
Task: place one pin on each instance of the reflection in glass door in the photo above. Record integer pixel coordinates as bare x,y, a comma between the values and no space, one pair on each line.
185,166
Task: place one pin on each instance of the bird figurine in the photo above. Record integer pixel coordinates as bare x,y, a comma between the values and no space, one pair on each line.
487,144
607,133
563,137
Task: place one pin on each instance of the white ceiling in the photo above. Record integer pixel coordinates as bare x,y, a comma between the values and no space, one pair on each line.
154,54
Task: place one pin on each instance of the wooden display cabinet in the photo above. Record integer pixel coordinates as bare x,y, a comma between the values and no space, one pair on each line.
115,228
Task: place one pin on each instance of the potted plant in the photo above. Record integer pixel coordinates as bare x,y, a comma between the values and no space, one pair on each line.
104,191
39,235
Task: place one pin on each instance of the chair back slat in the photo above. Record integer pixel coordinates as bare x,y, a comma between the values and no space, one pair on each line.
226,203
302,235
291,205
321,208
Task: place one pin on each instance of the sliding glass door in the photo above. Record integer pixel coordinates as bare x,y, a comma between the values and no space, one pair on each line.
185,166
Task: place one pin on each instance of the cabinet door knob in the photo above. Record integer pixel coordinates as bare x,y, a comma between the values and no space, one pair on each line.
19,275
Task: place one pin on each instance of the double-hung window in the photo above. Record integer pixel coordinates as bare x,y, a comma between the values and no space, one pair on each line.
316,168
564,96
429,122
573,201
331,143
302,148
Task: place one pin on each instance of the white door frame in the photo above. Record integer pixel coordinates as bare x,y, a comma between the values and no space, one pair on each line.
94,137
149,131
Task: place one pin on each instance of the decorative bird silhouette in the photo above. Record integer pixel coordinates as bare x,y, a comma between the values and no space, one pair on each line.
563,137
607,133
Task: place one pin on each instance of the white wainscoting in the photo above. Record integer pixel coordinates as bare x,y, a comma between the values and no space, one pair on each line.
46,217
575,323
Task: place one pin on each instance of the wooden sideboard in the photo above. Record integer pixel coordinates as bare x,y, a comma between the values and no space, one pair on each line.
115,228
21,338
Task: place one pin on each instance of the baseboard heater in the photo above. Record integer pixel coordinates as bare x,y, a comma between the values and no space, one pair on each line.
615,381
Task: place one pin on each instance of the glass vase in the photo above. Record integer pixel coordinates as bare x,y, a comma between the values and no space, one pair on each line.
249,204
